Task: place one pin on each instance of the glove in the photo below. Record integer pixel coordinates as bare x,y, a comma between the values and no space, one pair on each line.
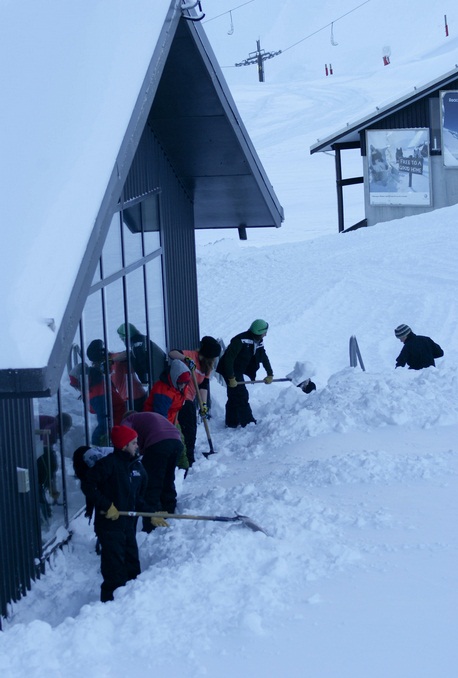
190,363
183,461
158,521
232,382
269,379
204,411
112,513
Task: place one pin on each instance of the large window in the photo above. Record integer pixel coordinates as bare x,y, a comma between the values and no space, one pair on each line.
117,353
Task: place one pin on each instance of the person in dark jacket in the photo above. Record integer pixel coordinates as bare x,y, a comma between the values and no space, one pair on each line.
118,482
244,355
418,351
160,444
47,462
144,354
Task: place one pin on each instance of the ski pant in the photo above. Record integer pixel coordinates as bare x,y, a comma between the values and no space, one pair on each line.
238,410
187,418
159,461
119,557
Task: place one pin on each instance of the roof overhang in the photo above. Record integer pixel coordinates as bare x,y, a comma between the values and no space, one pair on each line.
351,133
197,123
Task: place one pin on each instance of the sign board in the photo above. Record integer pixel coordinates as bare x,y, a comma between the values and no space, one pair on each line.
398,167
413,165
449,127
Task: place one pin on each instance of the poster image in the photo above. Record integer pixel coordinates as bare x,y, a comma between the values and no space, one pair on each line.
449,127
399,167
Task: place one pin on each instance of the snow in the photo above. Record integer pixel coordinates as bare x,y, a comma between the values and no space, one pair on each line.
356,484
60,135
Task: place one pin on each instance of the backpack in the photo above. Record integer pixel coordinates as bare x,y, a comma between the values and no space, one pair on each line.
84,458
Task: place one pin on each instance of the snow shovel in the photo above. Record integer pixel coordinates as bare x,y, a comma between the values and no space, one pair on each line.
306,386
204,419
176,516
261,381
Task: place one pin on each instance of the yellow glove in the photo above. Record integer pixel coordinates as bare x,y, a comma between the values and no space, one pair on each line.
112,513
158,521
269,379
190,363
232,382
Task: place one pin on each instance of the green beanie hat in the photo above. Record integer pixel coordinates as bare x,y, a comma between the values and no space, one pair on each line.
259,327
132,330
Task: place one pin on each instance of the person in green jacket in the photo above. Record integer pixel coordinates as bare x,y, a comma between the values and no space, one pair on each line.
243,356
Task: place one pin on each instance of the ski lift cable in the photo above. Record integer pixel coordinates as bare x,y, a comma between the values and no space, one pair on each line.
302,39
326,26
228,11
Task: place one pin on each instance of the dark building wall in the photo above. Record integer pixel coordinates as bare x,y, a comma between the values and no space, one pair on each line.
178,243
20,535
180,275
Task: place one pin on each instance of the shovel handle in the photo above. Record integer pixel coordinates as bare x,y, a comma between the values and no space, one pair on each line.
175,516
261,381
204,419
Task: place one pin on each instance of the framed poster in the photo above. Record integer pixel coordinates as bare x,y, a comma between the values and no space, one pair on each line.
449,127
399,167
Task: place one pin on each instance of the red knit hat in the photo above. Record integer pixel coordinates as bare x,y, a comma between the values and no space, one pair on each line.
122,436
184,378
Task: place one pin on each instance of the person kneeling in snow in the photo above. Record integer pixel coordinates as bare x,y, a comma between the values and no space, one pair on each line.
118,480
418,351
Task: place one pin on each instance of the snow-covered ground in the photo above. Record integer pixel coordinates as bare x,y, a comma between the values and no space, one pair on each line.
355,484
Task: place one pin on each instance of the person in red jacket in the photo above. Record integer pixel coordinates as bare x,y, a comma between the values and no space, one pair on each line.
168,393
96,353
201,361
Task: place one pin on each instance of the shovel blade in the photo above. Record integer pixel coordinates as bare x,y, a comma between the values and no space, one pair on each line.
250,523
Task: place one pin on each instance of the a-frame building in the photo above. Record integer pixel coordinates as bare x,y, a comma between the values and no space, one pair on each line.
101,212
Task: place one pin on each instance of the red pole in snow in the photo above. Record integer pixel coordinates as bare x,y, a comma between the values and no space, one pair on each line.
330,69
326,69
446,26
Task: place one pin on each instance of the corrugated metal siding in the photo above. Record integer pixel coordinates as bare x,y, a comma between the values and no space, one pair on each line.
180,273
180,276
143,177
415,115
150,171
20,534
